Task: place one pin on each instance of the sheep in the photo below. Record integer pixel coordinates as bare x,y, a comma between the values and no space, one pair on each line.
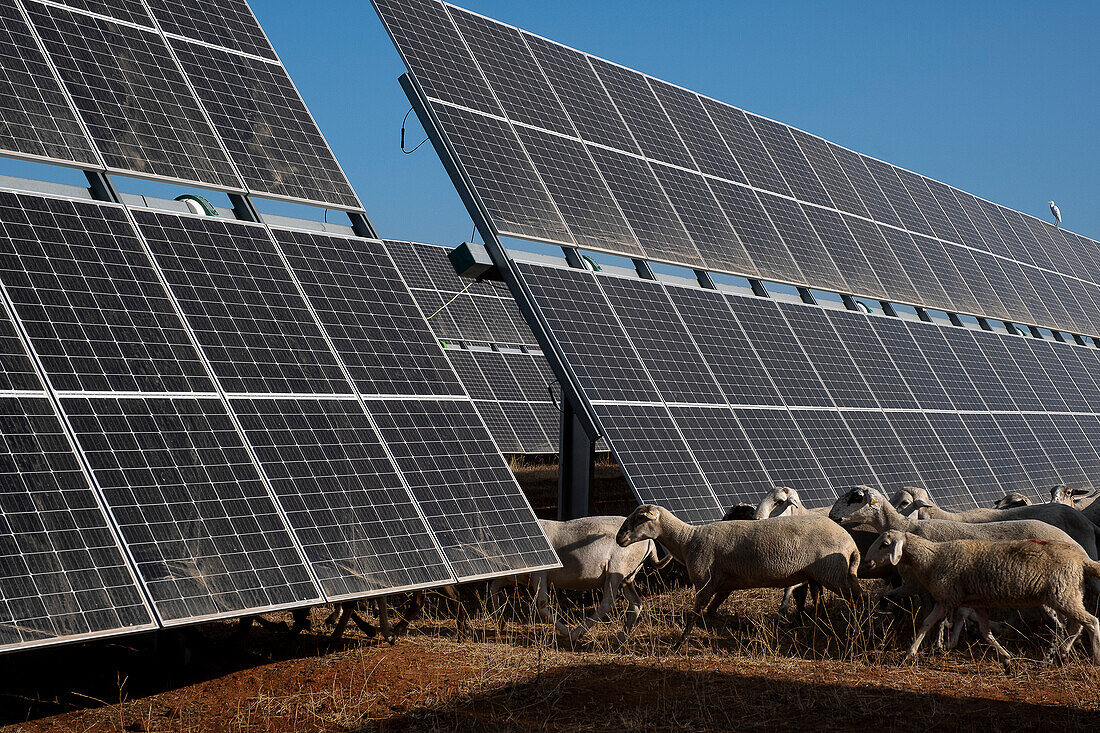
981,574
1077,525
740,511
590,559
1011,501
765,553
787,501
1082,499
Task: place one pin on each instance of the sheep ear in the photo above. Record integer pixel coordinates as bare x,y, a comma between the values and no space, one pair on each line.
650,514
895,551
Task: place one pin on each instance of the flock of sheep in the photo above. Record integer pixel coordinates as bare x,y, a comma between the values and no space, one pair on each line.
960,565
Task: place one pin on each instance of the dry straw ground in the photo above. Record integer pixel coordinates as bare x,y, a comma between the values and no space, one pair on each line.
836,670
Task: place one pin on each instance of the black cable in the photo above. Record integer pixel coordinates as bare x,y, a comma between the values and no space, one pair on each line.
408,152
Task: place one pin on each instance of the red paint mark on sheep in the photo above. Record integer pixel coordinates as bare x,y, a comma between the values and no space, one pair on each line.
1038,542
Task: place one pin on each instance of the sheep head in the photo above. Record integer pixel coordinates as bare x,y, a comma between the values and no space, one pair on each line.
1065,495
1011,501
783,498
741,511
859,505
644,523
886,549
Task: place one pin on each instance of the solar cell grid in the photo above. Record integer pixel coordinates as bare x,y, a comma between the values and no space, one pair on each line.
500,378
886,455
133,98
931,459
836,449
1034,372
657,461
999,454
226,23
37,118
499,427
929,207
1041,472
368,314
599,351
91,302
946,366
787,458
512,72
502,328
593,217
748,151
979,478
891,274
243,305
755,231
801,240
845,252
872,360
1061,455
973,230
643,114
710,230
981,373
889,183
64,574
986,299
503,176
829,172
959,297
791,161
829,356
525,424
1082,451
866,187
665,348
270,135
532,380
433,50
732,361
468,496
204,532
358,527
992,271
910,361
777,348
999,356
130,11
930,292
646,207
697,131
1052,367
723,453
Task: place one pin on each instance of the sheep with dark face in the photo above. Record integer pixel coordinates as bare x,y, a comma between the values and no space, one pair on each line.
1011,501
765,553
1078,498
980,575
740,511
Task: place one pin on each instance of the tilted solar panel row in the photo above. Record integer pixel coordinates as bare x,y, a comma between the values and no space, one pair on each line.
186,92
563,147
708,398
206,418
490,346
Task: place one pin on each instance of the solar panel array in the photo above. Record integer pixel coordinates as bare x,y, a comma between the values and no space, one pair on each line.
189,92
206,418
566,148
490,346
708,397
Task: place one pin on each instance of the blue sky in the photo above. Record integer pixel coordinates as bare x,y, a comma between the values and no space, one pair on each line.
998,98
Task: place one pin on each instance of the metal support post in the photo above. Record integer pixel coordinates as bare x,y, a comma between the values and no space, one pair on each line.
577,458
244,208
888,308
758,288
705,280
362,226
644,270
102,187
807,296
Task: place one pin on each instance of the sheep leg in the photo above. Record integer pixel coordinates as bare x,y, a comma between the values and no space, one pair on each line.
1082,619
607,601
785,604
702,597
633,611
936,615
716,603
410,612
542,603
983,628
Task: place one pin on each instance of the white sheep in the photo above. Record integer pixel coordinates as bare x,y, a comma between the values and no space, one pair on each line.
980,574
783,501
590,559
765,553
1069,520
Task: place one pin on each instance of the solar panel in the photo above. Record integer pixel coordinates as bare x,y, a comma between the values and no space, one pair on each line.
754,229
468,496
787,458
227,23
931,458
980,480
1061,455
554,98
993,393
887,456
65,576
271,137
357,525
836,449
368,314
205,535
1010,473
242,304
97,315
666,350
723,452
872,360
1029,451
38,121
133,98
130,11
657,461
947,367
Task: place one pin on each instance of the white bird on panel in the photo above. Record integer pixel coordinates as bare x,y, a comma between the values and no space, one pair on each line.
1056,211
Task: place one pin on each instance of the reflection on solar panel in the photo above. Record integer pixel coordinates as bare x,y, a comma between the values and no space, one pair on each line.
226,23
133,98
529,106
468,496
64,574
38,121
